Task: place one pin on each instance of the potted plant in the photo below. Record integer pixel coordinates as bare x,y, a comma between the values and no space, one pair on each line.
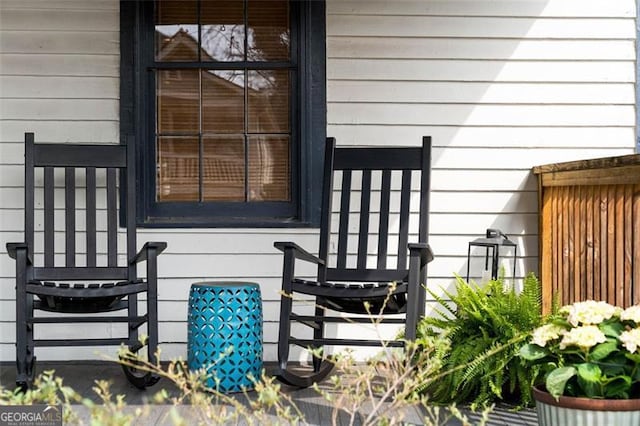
480,328
588,362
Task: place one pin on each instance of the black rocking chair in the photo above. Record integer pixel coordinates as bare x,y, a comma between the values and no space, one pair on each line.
48,269
374,189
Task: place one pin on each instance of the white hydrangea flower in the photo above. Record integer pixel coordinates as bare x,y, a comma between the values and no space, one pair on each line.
590,312
632,313
583,337
631,339
546,333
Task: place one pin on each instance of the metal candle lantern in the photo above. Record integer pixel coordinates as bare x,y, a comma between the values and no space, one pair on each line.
498,249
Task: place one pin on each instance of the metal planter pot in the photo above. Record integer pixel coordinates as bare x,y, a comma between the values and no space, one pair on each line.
571,411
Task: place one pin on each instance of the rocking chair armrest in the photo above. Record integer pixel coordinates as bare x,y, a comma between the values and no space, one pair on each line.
424,251
12,249
298,252
159,246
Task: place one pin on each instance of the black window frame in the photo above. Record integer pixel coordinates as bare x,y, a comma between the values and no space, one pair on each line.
137,117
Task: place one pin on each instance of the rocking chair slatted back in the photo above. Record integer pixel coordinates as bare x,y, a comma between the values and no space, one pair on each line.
58,179
95,173
373,198
372,178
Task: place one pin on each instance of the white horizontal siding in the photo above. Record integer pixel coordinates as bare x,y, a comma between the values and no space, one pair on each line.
59,78
481,71
362,25
58,87
474,48
472,8
499,85
474,93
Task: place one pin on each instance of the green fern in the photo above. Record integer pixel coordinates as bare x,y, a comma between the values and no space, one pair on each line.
484,326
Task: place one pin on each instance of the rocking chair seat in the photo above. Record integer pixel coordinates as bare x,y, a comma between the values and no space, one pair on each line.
83,298
354,297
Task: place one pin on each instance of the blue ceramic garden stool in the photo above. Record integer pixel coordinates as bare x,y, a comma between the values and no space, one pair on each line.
225,333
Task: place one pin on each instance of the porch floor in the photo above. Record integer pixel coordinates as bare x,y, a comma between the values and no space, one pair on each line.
80,375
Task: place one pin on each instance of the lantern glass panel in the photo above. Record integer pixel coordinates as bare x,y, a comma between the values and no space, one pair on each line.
491,257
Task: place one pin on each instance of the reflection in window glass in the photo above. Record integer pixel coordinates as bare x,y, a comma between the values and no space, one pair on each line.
268,99
223,101
268,32
223,133
223,168
178,169
176,30
178,99
222,30
269,170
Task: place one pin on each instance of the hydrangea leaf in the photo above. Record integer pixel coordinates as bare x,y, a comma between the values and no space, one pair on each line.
611,328
557,380
603,350
590,379
635,357
533,352
618,387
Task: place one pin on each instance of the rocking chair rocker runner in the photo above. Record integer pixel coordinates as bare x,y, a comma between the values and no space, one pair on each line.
377,190
108,276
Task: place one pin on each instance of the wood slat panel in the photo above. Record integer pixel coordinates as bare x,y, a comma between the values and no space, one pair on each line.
556,215
628,248
383,238
344,218
70,217
564,293
49,245
547,272
365,204
590,247
588,210
636,242
611,243
112,220
90,213
597,294
579,244
604,262
403,236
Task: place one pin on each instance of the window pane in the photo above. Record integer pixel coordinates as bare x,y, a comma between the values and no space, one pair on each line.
223,101
269,170
268,33
222,30
178,169
268,100
176,30
177,100
223,168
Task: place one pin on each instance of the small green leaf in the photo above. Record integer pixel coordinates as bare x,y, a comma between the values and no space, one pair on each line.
635,357
589,379
611,328
557,380
618,387
602,350
533,352
590,372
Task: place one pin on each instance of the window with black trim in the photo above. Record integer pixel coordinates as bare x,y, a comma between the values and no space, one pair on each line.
227,102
